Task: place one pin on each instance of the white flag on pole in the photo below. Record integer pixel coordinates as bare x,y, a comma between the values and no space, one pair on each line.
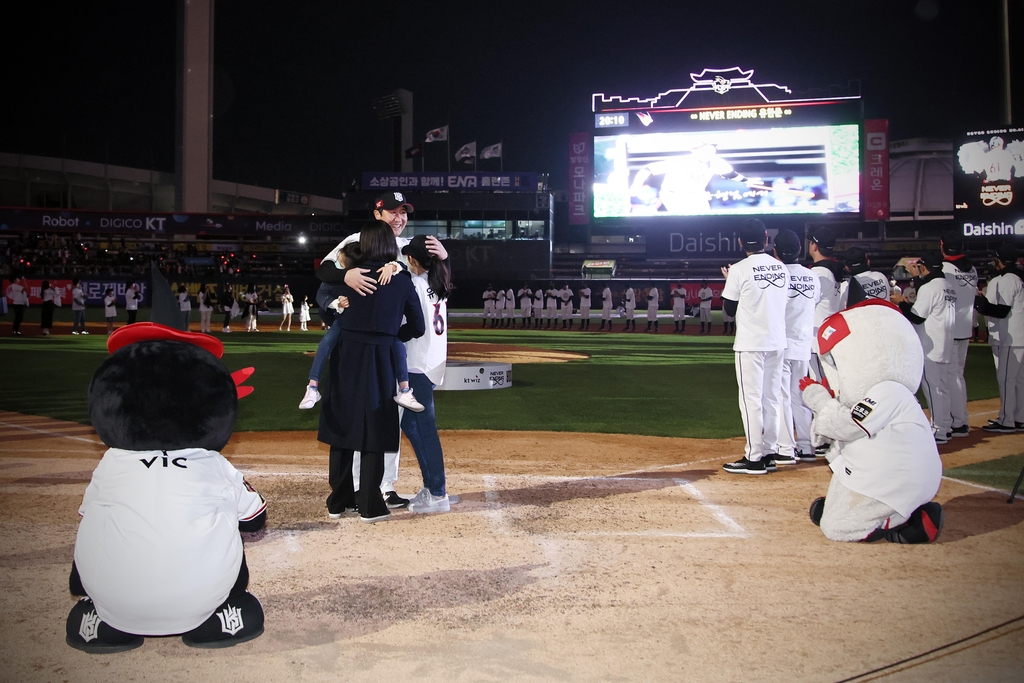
467,151
492,152
437,135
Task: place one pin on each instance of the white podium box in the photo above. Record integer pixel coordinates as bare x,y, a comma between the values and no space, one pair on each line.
476,375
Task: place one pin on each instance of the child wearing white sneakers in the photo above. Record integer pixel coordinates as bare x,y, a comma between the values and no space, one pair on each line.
332,306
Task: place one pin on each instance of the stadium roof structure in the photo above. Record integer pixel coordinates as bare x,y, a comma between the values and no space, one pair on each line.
47,182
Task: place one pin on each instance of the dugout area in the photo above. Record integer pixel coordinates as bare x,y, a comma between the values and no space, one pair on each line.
607,552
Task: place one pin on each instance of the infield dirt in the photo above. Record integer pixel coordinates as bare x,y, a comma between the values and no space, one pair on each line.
571,557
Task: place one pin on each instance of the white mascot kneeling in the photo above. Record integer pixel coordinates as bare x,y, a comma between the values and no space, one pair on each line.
885,465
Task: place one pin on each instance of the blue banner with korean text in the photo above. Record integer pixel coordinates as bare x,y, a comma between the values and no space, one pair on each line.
443,182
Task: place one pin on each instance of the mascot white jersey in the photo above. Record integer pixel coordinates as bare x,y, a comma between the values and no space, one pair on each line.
886,467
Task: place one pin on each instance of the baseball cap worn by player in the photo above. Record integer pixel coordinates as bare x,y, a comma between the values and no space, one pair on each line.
1007,253
855,259
825,239
932,260
952,243
389,201
417,248
787,246
753,235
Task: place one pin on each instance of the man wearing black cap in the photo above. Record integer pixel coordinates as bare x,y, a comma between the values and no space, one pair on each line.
802,297
393,209
830,274
933,315
1003,306
858,265
755,293
962,276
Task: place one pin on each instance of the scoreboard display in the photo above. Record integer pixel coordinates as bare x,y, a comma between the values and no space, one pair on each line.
727,144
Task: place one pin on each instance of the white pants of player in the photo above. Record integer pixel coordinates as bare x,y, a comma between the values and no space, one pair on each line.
566,310
552,310
678,312
1009,360
652,313
759,376
526,306
488,309
705,314
795,416
629,313
606,312
957,384
850,516
935,384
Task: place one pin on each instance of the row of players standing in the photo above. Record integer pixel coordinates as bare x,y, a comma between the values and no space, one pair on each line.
776,343
544,307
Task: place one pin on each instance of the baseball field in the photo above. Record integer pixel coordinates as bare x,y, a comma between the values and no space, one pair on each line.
597,537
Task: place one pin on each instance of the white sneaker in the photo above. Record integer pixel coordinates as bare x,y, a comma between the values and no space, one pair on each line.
226,329
409,402
84,332
310,399
425,501
74,332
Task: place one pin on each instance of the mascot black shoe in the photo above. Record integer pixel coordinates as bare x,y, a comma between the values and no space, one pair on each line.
159,551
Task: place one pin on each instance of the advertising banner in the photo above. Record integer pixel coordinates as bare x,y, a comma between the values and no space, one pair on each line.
875,200
145,224
581,172
987,183
94,288
441,182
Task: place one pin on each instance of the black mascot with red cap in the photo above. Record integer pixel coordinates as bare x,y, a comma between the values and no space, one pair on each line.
158,551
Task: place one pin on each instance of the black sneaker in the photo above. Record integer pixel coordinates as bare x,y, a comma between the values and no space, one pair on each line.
961,431
821,450
806,457
817,508
1019,426
769,461
395,501
785,459
744,466
996,428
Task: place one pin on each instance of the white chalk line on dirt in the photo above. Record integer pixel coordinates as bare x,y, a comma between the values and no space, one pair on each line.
47,432
494,515
981,486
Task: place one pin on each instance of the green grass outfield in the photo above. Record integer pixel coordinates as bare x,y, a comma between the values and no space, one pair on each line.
659,385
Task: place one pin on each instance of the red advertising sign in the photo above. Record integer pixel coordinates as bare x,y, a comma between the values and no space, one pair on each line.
875,197
581,176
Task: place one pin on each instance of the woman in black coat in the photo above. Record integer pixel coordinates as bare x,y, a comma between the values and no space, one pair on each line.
359,412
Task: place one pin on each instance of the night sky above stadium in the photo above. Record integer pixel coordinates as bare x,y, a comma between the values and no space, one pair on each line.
295,81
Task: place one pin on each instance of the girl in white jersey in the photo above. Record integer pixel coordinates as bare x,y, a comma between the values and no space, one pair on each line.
427,357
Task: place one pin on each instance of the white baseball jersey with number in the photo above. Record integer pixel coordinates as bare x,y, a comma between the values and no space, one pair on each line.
705,295
158,547
428,354
1006,289
585,301
526,301
652,303
760,284
678,294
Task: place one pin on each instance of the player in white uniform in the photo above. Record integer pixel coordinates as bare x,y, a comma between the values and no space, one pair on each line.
830,276
653,297
684,182
526,305
872,283
489,296
803,294
606,307
630,307
499,309
551,299
705,295
538,307
1003,307
678,294
585,307
934,316
756,293
565,294
962,277
510,308
391,208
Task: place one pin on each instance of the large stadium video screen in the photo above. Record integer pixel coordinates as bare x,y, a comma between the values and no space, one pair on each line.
793,170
